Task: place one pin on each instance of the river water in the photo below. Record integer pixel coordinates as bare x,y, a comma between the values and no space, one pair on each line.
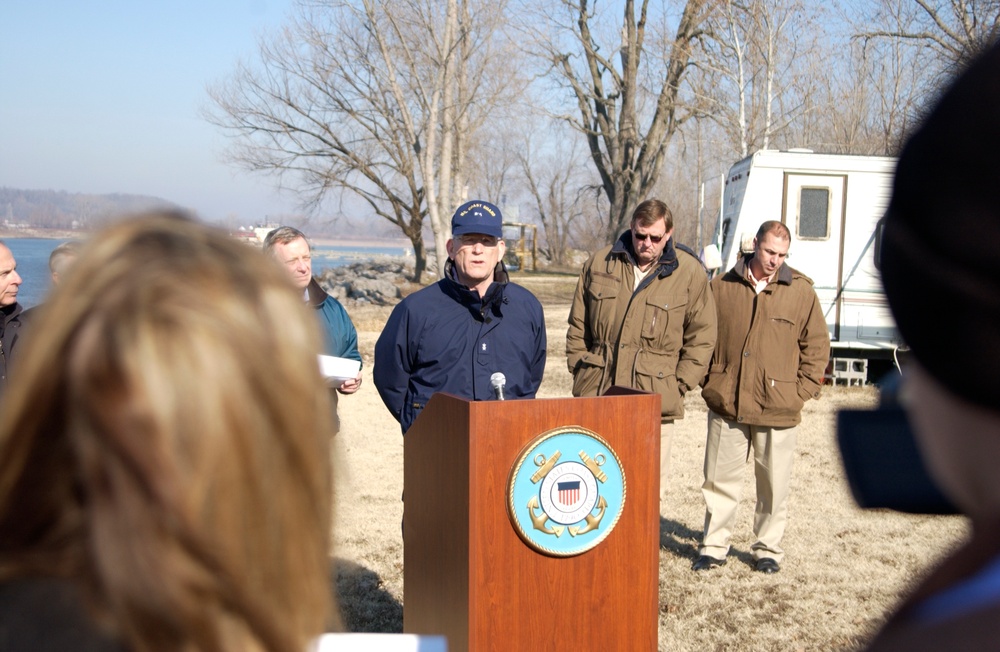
32,256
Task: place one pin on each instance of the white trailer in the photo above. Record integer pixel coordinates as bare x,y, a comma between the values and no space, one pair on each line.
831,203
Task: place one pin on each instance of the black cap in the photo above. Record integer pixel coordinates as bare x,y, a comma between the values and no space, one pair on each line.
940,254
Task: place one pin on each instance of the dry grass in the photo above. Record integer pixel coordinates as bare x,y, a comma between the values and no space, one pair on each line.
845,568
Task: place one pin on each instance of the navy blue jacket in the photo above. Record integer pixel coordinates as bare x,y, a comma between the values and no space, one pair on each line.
444,338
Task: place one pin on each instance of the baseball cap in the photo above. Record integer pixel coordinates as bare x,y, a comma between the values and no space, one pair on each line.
477,216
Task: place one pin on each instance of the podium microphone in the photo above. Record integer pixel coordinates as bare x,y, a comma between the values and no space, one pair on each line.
497,380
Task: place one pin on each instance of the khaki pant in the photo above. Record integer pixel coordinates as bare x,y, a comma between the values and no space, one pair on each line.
726,453
666,437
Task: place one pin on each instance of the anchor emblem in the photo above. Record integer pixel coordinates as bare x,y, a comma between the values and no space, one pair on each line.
538,522
593,522
549,493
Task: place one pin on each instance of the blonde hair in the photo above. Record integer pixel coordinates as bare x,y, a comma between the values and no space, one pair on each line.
166,446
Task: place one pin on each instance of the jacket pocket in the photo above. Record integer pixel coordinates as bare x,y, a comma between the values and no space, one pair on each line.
663,323
602,288
781,396
587,375
657,373
719,389
779,346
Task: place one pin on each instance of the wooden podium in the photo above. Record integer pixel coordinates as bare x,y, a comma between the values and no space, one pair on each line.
470,576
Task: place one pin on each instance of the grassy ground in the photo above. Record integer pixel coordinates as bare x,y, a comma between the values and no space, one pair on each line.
845,568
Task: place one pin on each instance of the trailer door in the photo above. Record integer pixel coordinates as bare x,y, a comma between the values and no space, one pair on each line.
813,210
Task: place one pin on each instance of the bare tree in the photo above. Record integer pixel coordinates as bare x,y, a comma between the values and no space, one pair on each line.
753,81
372,98
877,94
626,110
901,54
953,30
555,185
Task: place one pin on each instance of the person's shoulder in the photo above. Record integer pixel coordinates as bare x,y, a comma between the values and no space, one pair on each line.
601,254
604,251
333,311
431,292
797,278
516,289
689,264
422,299
332,302
29,314
731,275
519,293
688,259
687,254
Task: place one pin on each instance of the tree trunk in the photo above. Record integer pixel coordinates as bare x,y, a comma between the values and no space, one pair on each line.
419,259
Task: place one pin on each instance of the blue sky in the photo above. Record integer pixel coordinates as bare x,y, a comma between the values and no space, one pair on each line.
105,96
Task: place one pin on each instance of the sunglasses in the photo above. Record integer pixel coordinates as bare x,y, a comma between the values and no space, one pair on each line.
648,236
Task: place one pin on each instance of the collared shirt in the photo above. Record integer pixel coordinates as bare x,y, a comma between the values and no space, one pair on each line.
758,286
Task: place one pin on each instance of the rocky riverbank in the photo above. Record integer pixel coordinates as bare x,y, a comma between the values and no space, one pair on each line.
381,281
384,280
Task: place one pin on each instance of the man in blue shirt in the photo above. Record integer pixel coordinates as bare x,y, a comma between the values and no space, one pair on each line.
454,335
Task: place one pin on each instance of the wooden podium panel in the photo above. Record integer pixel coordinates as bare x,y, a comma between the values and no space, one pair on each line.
470,576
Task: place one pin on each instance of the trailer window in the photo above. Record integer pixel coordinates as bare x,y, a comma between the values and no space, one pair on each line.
814,213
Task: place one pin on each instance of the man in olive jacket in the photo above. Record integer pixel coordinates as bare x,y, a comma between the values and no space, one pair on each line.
643,317
771,357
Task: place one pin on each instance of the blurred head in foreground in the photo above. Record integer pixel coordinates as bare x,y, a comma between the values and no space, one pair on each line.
939,260
939,257
165,450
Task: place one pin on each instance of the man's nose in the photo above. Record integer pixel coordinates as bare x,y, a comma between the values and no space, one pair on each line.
16,280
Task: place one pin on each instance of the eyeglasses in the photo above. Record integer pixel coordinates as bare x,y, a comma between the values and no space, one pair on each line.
470,239
648,236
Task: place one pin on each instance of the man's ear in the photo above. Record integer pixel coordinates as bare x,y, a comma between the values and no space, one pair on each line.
501,247
448,247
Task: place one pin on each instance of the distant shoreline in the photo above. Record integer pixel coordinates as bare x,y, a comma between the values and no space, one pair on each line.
402,243
69,234
49,234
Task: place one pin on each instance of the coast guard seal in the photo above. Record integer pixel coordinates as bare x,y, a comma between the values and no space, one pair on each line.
565,491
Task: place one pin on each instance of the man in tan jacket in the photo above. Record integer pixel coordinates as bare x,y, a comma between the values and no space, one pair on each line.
643,317
770,357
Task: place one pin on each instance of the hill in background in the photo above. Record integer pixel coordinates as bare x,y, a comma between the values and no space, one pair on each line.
52,209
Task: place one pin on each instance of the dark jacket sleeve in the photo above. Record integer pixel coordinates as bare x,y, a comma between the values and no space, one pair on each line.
700,334
541,344
392,361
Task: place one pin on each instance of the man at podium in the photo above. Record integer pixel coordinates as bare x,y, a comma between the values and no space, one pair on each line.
473,334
